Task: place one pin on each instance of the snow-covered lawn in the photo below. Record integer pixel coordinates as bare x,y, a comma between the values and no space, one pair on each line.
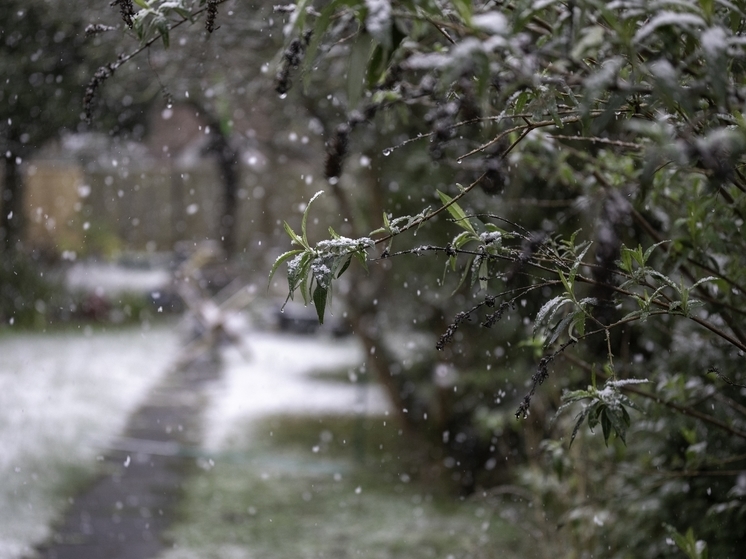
61,395
64,395
273,377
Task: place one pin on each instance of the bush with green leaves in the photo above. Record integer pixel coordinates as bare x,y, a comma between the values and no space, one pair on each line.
550,182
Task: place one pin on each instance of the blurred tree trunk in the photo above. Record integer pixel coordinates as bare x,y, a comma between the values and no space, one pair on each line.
219,145
11,216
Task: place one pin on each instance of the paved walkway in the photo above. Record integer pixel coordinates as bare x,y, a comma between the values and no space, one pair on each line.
123,514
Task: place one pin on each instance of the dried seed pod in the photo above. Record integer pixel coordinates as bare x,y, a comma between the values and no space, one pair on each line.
336,150
212,14
99,77
126,10
95,29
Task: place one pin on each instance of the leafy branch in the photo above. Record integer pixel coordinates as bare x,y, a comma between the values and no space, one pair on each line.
312,269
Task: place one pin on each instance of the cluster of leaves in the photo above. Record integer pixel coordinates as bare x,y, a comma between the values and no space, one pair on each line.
606,406
312,269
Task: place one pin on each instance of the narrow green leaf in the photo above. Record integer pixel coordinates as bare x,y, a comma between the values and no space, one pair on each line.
464,9
319,30
562,326
651,248
298,271
163,29
625,417
360,54
319,301
547,308
305,217
460,240
703,280
344,267
605,424
280,259
626,262
617,422
578,325
294,236
464,274
483,274
362,257
595,408
457,213
580,418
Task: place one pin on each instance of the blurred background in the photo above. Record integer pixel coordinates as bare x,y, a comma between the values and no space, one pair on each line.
136,247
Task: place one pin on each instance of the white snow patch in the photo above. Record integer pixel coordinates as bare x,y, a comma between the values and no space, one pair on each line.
378,22
111,279
491,22
275,380
58,394
714,43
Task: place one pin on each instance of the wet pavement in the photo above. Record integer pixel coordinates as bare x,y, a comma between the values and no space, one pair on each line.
125,511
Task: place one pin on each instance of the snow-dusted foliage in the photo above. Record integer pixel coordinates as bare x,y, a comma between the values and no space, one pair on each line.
577,169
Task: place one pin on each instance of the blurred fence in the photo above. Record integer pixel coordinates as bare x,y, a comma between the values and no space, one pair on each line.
98,210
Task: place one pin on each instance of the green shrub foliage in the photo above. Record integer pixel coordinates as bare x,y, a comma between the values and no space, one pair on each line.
568,177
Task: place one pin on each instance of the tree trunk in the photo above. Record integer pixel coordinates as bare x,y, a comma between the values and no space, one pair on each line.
11,207
219,145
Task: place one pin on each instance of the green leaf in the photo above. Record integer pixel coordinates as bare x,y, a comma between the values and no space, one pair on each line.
464,275
360,54
578,423
305,217
616,418
605,424
361,257
578,325
319,301
563,326
464,9
689,544
161,24
565,282
651,248
703,280
319,30
520,102
298,270
483,274
344,266
294,236
548,309
595,409
460,240
280,259
457,213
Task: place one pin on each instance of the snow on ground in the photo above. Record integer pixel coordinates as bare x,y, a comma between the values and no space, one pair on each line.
63,395
111,279
59,393
274,378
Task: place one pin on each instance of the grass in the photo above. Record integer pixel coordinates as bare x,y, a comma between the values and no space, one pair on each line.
345,486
